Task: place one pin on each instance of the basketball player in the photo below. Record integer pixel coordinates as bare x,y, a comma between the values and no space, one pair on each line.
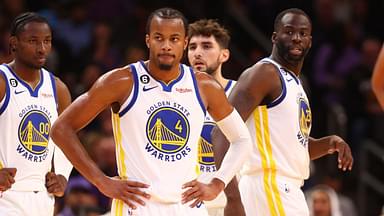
378,78
207,51
270,97
32,170
158,108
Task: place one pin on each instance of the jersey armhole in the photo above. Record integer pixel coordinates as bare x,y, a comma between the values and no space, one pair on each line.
131,100
5,100
54,89
283,93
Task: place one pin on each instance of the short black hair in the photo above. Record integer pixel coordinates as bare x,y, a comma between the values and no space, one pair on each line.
21,20
287,11
167,13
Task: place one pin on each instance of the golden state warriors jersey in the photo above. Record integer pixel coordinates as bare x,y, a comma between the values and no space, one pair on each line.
26,117
157,131
205,151
280,131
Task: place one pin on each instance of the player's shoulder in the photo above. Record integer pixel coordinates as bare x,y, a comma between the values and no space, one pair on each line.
117,75
262,67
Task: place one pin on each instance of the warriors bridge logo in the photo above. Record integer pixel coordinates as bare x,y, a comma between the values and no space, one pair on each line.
205,150
33,135
305,121
168,132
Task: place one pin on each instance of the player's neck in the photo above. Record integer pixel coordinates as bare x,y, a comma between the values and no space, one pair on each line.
294,67
219,78
165,76
27,74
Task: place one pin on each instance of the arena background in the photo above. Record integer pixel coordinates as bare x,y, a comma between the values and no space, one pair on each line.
92,37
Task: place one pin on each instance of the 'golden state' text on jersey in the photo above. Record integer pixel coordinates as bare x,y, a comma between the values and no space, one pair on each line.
157,131
26,117
280,131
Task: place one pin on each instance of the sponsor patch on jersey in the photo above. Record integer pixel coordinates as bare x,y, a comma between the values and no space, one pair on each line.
305,121
33,133
205,149
167,131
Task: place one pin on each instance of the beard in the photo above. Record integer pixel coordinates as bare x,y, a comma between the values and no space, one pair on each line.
211,69
165,67
284,52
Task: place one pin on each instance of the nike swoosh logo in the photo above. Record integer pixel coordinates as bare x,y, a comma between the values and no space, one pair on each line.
19,92
145,88
289,80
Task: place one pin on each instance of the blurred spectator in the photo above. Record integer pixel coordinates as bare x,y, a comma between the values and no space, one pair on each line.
74,35
102,50
323,201
334,180
103,153
90,74
361,104
81,198
333,62
134,53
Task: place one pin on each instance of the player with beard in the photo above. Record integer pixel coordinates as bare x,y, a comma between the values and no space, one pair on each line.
270,98
207,51
158,108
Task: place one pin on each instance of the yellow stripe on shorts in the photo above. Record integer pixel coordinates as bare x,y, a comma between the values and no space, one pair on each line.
268,162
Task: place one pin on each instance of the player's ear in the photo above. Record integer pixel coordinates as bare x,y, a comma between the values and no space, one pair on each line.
185,43
273,37
147,40
13,43
225,53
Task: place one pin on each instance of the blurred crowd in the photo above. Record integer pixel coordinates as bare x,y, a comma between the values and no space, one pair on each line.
94,36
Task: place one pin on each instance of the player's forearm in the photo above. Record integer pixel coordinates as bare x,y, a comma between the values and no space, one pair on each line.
378,78
319,147
238,152
220,146
66,139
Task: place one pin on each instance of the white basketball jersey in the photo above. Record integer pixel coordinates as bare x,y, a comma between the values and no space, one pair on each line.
280,131
157,131
205,154
26,117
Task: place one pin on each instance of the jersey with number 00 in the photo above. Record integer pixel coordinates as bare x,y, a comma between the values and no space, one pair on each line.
157,131
280,131
26,117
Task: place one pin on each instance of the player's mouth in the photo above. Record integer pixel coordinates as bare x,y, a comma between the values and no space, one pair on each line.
166,57
296,51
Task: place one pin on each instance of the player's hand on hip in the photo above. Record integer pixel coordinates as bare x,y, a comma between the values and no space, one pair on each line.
199,192
55,184
345,158
128,191
7,178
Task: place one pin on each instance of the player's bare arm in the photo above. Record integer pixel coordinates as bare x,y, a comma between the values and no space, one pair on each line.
2,87
109,90
378,78
330,145
57,182
255,86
